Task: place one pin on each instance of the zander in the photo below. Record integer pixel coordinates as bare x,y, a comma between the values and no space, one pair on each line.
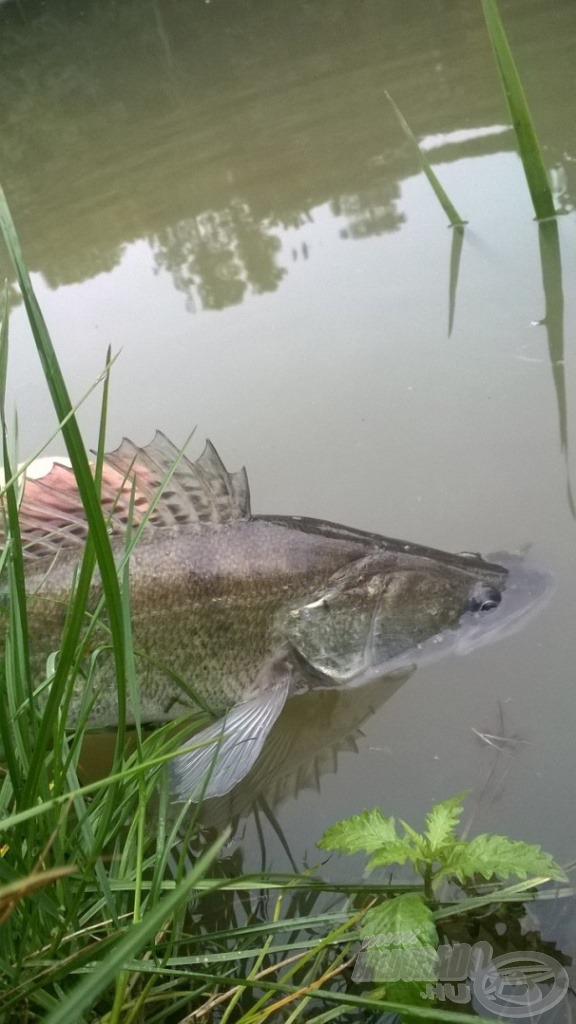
241,611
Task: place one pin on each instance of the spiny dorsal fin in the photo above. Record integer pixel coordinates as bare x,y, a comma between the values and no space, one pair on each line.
197,492
52,515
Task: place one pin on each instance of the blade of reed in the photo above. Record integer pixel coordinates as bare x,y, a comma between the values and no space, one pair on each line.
530,151
448,207
11,500
86,487
5,715
47,806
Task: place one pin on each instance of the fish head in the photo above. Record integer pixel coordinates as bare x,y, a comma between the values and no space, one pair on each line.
388,611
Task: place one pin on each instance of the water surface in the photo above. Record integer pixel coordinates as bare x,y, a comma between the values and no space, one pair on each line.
222,193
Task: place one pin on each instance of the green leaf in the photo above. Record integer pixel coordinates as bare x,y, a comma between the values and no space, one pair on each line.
368,831
400,942
394,853
90,500
442,821
404,922
450,211
418,841
500,857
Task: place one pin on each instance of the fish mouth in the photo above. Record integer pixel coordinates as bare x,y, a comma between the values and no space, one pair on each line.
526,592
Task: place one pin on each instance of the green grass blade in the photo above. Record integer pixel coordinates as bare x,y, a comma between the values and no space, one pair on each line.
11,512
353,1002
87,991
449,209
551,266
528,145
78,457
4,351
6,726
517,893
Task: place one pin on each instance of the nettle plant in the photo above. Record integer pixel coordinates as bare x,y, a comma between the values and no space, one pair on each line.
407,921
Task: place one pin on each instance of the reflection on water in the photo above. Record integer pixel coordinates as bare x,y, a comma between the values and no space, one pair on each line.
217,256
455,256
304,744
369,213
226,124
553,321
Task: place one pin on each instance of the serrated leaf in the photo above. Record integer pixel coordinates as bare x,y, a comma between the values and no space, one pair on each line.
403,922
368,831
397,852
415,838
456,863
442,820
400,942
499,857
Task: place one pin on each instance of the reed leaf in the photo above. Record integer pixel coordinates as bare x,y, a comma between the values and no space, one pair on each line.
530,151
86,486
442,197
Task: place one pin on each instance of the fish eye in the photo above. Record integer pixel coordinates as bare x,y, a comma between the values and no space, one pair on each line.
484,599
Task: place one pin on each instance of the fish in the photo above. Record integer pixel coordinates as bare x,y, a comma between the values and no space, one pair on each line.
235,611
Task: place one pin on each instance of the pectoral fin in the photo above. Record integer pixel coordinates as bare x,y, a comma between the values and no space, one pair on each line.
229,747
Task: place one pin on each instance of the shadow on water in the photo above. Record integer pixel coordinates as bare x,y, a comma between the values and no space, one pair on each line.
553,321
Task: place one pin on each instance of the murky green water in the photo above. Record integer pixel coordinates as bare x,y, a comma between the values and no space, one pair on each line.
221,191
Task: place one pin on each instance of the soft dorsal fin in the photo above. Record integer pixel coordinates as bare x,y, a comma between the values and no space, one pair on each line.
52,516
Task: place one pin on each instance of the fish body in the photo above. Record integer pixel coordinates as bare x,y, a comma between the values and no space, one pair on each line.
236,611
213,604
